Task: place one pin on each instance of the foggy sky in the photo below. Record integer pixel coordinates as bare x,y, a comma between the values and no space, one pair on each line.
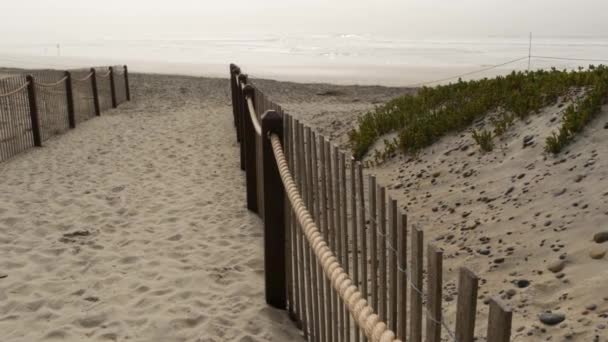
45,21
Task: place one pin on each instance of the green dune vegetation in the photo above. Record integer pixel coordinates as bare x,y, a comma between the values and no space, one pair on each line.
421,119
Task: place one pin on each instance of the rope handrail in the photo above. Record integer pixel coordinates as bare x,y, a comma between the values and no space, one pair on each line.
254,118
12,92
86,78
48,85
368,321
104,75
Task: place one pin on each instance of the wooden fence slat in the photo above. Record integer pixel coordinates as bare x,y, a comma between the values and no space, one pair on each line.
373,242
467,305
402,281
297,236
287,209
355,234
393,264
290,221
345,247
363,235
383,232
416,266
435,287
499,322
320,297
312,264
332,234
338,231
305,276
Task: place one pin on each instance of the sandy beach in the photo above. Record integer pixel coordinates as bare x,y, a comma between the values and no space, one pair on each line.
529,224
133,227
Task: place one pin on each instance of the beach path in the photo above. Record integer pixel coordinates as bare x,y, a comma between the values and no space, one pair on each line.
133,226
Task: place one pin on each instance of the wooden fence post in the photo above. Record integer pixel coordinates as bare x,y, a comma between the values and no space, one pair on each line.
242,78
416,285
467,305
435,287
70,99
31,94
233,95
95,92
249,138
274,229
499,322
402,281
127,89
112,88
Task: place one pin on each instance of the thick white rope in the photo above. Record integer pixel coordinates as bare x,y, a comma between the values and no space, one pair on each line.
104,75
368,321
48,85
16,90
83,79
254,118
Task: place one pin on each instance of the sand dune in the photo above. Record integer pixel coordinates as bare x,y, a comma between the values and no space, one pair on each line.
525,222
133,227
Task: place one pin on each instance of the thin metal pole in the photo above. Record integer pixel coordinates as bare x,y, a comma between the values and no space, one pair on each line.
530,51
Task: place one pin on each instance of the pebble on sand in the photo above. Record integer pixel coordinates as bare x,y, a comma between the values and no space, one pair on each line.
597,253
550,318
557,266
600,237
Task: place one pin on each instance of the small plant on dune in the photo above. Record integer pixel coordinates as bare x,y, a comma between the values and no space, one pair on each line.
424,118
576,116
484,140
502,123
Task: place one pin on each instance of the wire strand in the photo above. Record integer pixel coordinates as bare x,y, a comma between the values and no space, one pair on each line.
467,73
572,59
49,85
15,91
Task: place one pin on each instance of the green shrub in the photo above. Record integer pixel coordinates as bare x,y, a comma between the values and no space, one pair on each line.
422,119
484,140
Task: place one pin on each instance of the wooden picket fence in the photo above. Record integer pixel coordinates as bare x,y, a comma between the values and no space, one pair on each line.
35,107
364,229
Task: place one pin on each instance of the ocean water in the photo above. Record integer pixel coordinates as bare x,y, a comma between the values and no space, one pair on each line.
338,58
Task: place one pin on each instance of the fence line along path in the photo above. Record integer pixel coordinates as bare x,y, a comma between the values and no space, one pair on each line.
337,256
36,107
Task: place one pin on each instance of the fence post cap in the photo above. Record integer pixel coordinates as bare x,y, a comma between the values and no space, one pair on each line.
248,90
272,123
243,78
92,69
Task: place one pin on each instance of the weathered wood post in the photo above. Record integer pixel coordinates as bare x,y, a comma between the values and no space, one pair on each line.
70,99
233,74
249,139
127,89
499,322
113,88
95,93
274,214
435,289
467,305
31,94
242,80
416,265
